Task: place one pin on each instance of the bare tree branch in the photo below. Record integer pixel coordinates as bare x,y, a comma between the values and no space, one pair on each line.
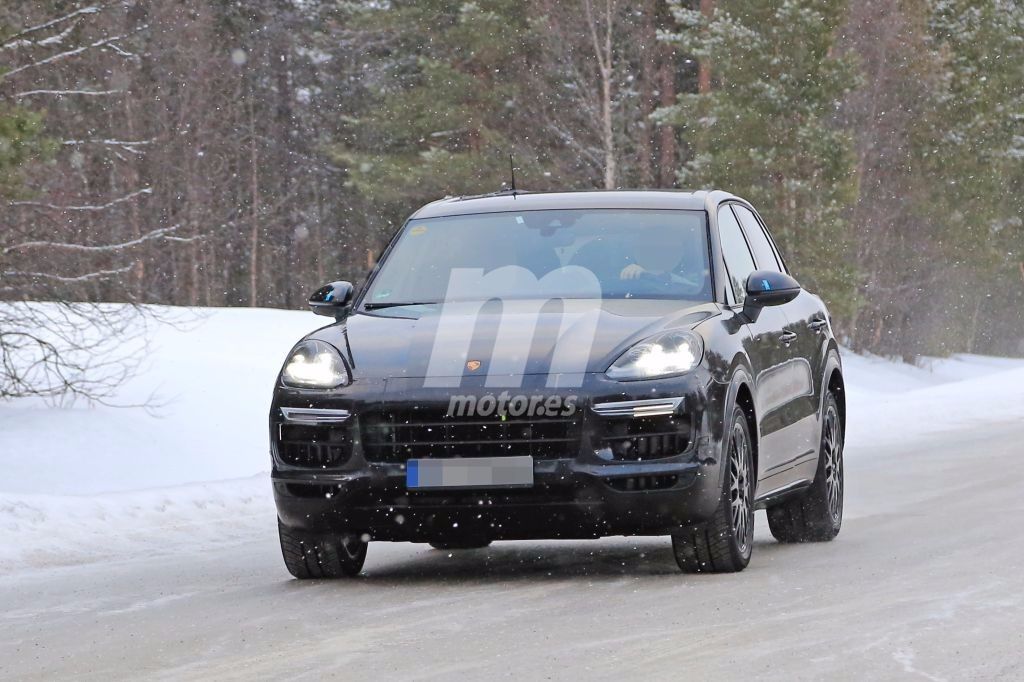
120,51
67,351
161,233
66,54
87,207
113,143
99,274
45,42
130,146
62,93
17,37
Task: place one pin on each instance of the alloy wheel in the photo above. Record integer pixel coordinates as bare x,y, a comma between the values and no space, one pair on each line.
833,455
739,486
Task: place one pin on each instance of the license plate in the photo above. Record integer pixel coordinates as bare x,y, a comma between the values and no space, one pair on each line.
470,472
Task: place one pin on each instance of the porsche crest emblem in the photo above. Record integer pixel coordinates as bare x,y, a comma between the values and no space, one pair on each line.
473,365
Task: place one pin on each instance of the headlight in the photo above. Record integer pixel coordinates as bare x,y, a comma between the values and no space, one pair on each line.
663,355
314,364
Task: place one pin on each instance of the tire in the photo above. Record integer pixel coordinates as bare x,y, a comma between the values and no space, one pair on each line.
310,557
723,544
817,514
460,545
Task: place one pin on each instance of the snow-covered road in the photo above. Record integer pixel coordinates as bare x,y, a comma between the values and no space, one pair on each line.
926,579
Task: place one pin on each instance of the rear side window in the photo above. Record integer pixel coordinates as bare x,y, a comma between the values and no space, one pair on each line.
738,260
764,255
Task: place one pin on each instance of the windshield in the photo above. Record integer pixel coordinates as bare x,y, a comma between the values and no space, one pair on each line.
604,253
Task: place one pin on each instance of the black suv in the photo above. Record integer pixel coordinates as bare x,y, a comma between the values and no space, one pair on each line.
563,365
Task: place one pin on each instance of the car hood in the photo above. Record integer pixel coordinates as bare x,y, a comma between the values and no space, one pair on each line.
516,337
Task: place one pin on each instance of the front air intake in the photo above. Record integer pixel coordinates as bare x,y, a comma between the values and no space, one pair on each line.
646,438
316,447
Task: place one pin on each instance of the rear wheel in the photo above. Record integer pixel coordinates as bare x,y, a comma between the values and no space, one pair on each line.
817,514
309,556
723,544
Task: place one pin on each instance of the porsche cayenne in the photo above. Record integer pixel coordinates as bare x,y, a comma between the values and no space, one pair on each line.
563,365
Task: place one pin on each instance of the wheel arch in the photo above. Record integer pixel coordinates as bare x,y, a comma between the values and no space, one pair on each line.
741,393
834,383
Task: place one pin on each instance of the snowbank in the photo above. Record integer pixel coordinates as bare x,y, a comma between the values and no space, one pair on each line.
82,482
207,378
891,401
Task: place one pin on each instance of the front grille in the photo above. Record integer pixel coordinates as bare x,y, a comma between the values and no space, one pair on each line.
314,446
643,438
397,436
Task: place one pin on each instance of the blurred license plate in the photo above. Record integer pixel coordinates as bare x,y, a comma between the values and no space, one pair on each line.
470,472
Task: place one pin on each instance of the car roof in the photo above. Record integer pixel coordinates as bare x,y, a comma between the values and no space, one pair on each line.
539,201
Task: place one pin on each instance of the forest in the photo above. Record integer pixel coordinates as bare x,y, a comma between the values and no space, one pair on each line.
244,152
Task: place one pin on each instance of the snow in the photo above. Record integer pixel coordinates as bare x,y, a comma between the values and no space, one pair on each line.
208,379
893,401
83,482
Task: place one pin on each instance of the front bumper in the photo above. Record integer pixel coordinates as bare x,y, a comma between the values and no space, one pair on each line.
582,488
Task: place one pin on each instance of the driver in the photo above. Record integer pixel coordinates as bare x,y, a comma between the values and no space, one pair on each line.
656,255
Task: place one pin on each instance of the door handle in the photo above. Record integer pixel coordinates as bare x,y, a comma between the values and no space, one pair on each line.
817,325
787,338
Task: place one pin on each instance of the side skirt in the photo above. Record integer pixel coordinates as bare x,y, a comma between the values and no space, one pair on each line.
780,494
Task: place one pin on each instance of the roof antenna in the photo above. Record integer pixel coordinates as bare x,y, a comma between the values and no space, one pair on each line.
512,169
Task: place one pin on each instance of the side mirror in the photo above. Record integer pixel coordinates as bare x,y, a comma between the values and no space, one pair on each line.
332,300
768,287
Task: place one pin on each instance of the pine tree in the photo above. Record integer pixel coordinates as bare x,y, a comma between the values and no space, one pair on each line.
21,130
448,94
765,126
895,249
975,141
21,140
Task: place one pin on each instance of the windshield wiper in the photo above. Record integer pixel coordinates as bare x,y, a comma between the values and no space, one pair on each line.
396,304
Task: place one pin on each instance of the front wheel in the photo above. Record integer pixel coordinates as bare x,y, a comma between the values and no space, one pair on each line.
723,543
817,514
310,556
